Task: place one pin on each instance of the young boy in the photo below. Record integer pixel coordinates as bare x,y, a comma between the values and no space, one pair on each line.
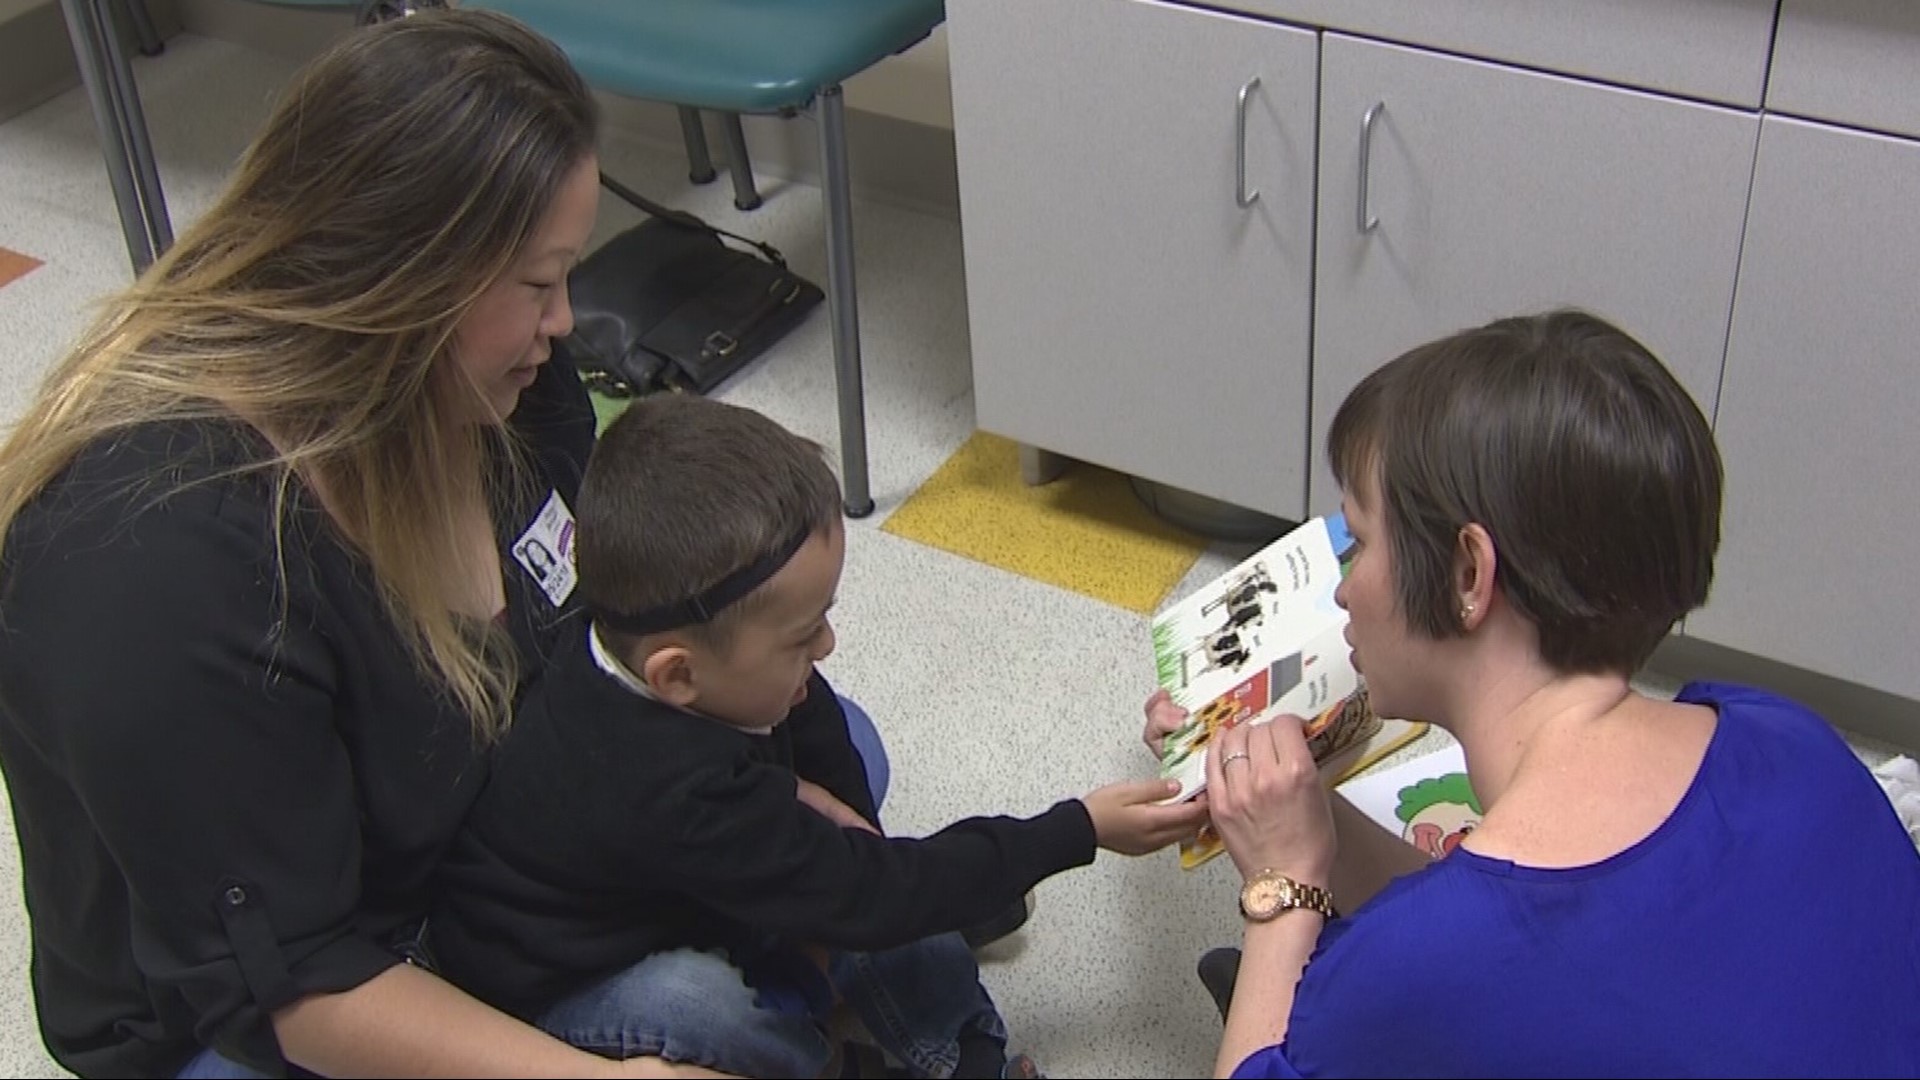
675,852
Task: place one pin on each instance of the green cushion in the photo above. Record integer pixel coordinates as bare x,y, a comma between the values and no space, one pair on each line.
605,408
732,55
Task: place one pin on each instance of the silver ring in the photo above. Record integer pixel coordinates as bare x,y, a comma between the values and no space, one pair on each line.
1237,755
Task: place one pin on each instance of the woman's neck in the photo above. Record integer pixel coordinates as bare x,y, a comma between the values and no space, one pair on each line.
1514,721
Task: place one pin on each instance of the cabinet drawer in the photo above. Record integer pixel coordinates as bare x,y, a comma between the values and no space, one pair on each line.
1854,62
1715,52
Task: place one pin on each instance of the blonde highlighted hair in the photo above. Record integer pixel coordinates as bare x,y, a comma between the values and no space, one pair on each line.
316,302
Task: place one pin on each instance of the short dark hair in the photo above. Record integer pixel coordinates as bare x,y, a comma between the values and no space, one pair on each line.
682,491
1579,452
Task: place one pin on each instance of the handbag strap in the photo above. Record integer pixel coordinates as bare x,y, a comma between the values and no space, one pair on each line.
687,220
781,291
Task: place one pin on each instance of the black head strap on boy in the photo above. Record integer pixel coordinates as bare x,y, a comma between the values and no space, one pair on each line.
702,608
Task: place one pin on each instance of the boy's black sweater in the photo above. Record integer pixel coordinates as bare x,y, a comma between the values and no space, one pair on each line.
614,827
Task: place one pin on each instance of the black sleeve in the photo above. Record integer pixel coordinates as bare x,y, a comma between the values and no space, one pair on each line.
743,846
180,781
822,750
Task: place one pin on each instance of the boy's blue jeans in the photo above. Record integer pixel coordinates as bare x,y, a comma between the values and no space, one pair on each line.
698,1007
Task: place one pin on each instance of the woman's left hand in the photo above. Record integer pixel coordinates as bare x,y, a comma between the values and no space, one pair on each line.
1269,805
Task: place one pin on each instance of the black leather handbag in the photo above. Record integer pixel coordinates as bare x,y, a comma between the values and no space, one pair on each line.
668,305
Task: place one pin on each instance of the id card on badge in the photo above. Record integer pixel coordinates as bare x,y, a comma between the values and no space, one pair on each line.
545,550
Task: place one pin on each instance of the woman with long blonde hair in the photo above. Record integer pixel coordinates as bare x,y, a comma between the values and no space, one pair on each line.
261,594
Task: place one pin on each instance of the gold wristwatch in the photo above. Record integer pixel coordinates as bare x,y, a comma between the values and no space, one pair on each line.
1269,892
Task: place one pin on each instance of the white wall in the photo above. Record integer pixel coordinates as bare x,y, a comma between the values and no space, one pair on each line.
911,86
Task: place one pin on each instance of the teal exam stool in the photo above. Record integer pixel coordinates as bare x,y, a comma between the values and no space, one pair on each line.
754,56
784,57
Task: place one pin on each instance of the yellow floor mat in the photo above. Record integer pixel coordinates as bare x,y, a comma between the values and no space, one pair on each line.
1086,531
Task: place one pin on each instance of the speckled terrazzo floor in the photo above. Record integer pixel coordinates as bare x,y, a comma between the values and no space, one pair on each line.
995,692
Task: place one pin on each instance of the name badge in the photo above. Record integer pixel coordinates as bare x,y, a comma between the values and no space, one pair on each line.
545,550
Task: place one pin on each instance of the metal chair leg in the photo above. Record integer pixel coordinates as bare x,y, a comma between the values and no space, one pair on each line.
699,164
745,197
836,191
123,131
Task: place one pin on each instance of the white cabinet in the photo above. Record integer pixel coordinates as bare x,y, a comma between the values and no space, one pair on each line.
1126,309
1499,191
1713,50
1854,62
1817,414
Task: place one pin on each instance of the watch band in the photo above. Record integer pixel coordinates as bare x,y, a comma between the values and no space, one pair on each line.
1269,893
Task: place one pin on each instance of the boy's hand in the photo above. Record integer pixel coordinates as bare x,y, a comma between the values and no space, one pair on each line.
1128,818
1163,719
826,805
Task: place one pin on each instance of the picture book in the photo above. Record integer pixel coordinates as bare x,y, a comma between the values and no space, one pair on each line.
1263,640
1426,801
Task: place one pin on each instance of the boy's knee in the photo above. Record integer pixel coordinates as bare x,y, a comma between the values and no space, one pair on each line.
689,1006
661,992
948,951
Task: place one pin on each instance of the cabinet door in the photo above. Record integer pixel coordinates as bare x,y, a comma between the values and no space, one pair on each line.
1125,309
1503,192
1816,423
1850,62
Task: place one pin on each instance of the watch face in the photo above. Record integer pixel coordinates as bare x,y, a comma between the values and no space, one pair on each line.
1265,897
1269,894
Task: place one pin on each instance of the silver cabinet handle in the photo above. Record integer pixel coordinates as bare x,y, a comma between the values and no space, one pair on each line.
1240,193
1362,217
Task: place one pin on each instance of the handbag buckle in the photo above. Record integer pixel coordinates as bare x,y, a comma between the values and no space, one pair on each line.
720,343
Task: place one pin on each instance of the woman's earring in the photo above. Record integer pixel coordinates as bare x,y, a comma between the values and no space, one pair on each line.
1466,612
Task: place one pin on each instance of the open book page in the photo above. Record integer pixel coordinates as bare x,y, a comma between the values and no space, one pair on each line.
1425,801
1263,640
1341,766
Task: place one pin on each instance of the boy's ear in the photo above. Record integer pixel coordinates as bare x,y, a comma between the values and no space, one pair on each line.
668,672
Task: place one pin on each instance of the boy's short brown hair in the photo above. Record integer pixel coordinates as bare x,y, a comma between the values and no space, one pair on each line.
1577,450
681,492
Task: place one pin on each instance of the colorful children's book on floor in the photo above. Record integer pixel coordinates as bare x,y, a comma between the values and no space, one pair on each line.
1425,801
1263,640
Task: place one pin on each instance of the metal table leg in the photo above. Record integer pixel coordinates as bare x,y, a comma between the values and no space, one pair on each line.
123,131
146,172
143,28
